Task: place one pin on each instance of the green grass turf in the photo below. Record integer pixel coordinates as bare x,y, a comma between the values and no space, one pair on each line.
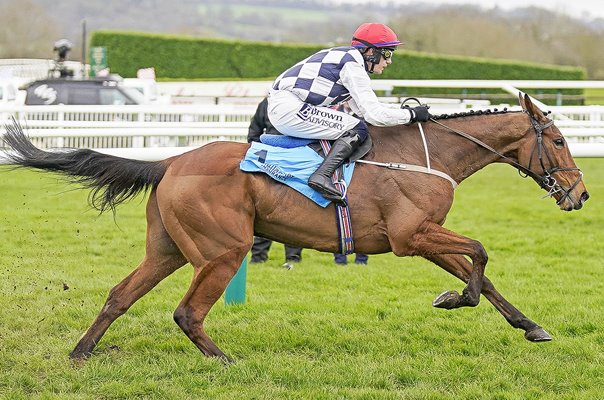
318,331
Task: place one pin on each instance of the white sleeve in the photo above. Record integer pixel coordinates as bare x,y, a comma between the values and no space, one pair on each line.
355,79
353,106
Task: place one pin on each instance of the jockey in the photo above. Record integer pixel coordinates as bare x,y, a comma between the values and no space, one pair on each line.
300,99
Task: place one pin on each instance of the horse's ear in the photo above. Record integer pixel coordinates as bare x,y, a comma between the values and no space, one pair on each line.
521,101
532,109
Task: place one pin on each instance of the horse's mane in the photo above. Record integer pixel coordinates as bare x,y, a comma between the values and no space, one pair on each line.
478,112
471,113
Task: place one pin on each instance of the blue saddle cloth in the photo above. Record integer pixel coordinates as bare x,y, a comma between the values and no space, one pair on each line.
290,166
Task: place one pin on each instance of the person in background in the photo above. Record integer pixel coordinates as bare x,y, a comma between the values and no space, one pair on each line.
341,259
261,124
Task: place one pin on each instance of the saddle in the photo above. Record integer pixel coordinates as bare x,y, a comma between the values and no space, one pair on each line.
290,142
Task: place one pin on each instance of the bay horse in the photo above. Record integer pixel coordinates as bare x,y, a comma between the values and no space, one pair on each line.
204,210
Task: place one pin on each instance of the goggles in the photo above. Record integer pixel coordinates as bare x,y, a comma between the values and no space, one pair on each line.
386,53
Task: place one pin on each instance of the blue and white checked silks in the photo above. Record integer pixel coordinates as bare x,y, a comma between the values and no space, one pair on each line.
316,79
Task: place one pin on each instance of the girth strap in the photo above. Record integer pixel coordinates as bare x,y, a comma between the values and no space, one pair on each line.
413,168
345,241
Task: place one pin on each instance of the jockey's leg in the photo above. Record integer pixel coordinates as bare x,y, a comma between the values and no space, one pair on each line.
321,180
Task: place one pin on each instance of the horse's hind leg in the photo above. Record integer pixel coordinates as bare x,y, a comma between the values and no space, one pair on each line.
161,259
461,268
208,285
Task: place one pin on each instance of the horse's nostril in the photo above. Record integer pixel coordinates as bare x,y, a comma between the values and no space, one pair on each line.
584,197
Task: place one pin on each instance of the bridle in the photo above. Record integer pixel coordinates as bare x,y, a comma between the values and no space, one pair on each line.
546,181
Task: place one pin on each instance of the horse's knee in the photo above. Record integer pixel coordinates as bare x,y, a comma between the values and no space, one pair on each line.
479,256
180,317
185,319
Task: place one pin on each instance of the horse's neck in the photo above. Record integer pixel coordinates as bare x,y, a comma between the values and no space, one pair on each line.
463,157
453,154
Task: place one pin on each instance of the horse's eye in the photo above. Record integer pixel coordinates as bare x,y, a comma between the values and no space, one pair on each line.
559,142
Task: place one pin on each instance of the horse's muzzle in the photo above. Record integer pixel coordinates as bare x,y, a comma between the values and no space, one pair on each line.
582,199
571,204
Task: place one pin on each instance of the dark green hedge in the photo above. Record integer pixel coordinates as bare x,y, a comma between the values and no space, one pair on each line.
180,57
188,58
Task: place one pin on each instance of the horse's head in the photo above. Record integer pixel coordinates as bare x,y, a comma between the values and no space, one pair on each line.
548,161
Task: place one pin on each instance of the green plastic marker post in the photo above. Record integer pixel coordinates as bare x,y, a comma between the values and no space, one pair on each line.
235,292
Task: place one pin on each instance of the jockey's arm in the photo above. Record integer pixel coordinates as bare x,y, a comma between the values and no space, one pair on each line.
365,103
355,108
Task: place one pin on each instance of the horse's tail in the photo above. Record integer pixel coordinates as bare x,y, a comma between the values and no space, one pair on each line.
112,179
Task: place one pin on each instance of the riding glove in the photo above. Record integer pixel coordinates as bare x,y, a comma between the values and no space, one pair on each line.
420,114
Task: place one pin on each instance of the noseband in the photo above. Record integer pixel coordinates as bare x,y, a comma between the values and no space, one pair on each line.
546,181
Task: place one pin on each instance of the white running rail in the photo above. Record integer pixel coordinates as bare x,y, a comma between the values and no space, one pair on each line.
155,131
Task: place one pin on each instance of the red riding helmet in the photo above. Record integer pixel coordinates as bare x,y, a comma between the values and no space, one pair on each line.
379,35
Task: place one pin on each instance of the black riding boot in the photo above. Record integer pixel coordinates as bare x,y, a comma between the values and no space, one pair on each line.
341,149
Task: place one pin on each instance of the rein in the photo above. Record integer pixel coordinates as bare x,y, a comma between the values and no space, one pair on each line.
545,181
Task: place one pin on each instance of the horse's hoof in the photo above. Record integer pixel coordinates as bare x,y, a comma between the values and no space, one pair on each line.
537,335
79,356
447,300
226,360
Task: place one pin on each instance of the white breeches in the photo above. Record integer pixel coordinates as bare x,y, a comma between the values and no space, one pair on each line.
293,117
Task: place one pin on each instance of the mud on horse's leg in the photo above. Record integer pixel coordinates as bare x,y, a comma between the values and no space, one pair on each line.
433,239
461,268
208,285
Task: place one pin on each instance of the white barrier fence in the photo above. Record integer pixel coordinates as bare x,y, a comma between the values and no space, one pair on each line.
156,132
130,126
149,126
251,92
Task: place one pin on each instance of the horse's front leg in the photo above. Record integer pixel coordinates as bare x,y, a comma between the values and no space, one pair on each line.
433,239
461,268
